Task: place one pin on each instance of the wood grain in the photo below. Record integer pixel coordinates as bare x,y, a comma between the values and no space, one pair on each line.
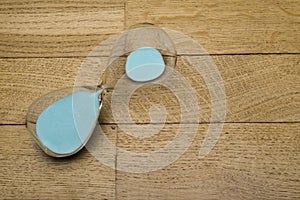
226,26
34,28
28,173
250,161
259,88
255,46
72,28
23,80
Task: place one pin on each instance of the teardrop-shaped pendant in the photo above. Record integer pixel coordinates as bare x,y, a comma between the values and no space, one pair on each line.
65,126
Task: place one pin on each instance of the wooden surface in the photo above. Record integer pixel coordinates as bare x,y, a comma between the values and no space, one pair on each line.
255,46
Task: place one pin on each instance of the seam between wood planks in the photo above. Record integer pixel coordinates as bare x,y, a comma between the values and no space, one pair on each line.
145,123
213,54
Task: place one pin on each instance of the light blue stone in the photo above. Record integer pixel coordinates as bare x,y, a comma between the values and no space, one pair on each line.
66,125
144,64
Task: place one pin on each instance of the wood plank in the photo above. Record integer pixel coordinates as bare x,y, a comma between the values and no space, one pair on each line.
72,28
57,28
24,80
28,173
253,158
225,27
259,88
250,161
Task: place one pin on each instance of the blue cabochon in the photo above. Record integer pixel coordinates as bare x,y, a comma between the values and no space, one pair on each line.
67,124
144,64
